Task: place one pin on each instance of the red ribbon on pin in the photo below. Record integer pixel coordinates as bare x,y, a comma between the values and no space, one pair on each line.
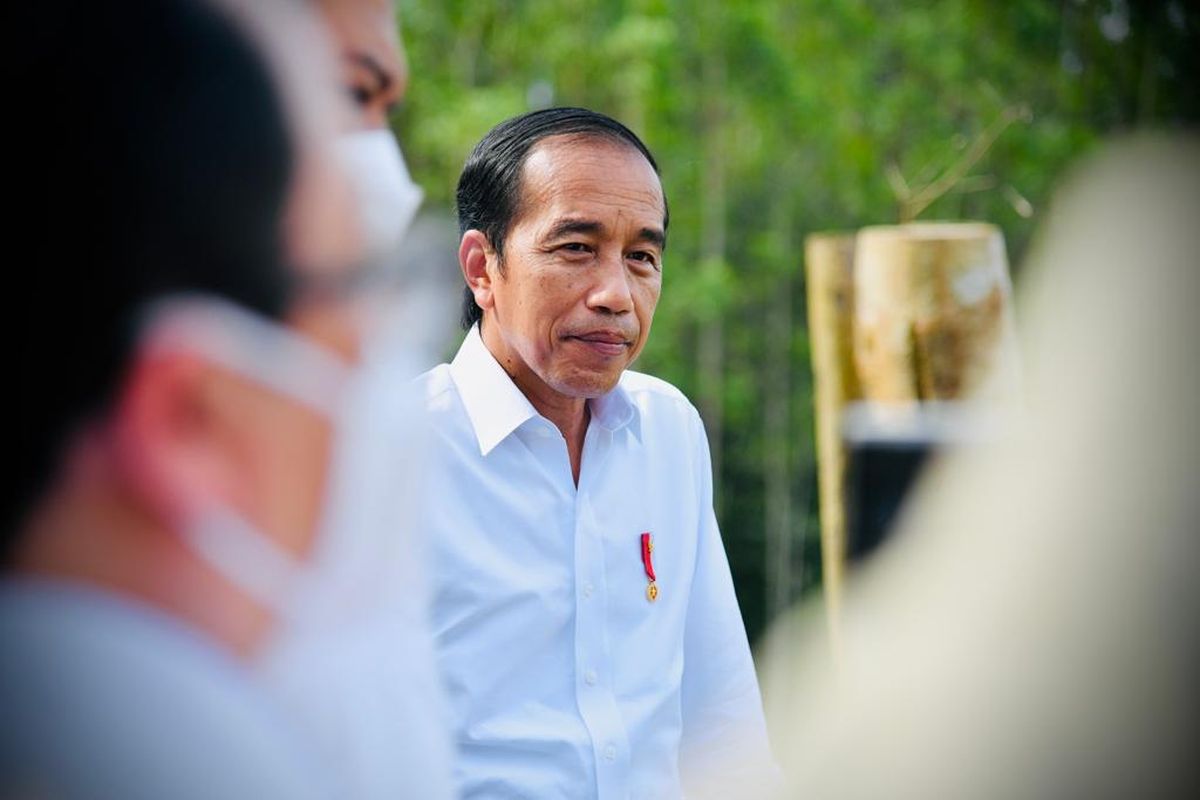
647,561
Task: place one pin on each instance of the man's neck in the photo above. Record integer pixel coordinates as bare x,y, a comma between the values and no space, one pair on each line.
573,429
570,415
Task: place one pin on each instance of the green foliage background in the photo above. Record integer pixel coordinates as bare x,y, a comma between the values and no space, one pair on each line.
774,119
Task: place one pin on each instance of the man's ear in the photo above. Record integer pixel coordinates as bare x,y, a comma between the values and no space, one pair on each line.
477,260
172,446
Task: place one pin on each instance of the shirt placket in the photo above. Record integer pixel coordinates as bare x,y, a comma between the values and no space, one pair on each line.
594,688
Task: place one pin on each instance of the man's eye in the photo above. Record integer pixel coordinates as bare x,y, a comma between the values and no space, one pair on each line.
576,247
360,95
644,256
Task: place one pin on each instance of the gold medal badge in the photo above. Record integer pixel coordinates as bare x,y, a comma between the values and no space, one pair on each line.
648,563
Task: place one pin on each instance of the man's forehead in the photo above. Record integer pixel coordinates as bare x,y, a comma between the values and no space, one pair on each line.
566,171
570,152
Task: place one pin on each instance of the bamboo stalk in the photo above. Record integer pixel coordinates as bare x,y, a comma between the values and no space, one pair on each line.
829,262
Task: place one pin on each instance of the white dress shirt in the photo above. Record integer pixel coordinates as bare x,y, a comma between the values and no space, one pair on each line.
564,679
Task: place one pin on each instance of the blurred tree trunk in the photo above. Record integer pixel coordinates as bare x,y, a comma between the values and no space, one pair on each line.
710,353
777,433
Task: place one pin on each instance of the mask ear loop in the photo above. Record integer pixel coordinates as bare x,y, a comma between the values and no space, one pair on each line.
252,346
267,353
244,555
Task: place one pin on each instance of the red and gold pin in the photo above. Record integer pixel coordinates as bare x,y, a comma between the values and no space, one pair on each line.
648,563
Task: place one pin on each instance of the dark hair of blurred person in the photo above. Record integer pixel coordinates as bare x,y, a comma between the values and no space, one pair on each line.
490,187
164,169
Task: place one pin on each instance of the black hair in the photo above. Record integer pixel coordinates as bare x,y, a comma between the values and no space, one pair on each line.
490,186
151,158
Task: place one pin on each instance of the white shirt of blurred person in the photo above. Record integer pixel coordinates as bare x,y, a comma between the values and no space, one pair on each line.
175,434
356,670
579,662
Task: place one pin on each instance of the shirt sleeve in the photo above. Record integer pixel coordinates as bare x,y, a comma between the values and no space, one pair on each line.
724,751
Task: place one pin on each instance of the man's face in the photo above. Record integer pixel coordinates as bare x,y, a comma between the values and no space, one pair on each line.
373,67
571,305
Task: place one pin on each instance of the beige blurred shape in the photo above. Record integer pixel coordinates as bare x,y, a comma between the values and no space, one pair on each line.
1031,629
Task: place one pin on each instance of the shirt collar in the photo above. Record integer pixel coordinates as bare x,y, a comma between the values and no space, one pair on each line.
493,402
496,407
614,411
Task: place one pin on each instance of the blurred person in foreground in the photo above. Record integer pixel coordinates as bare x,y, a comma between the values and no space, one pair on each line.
582,606
174,430
1031,632
357,671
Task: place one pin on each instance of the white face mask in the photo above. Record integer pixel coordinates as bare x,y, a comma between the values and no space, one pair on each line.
386,195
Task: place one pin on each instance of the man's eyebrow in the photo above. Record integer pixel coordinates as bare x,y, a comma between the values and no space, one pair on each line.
368,62
654,236
565,227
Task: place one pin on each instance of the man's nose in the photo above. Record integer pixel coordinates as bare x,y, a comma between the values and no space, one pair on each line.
611,292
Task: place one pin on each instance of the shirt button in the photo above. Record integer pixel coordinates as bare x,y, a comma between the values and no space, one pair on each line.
610,753
587,590
589,677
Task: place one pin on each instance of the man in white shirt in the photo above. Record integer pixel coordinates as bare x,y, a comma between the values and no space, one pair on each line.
583,609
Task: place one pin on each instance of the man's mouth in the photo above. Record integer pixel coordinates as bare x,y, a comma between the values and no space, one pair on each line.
608,343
